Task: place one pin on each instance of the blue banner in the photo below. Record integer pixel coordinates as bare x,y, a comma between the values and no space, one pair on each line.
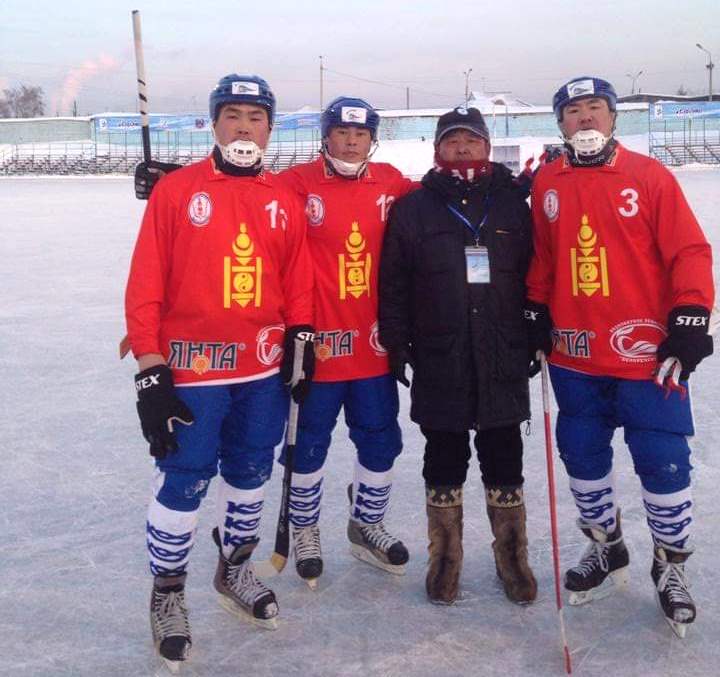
194,123
674,110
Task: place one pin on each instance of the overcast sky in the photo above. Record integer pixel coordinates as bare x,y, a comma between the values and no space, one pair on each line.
84,51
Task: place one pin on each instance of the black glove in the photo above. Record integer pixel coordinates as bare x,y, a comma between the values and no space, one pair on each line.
688,339
158,406
148,174
399,359
299,390
539,330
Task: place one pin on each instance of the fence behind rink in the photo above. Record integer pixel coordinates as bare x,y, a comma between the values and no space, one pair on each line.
676,134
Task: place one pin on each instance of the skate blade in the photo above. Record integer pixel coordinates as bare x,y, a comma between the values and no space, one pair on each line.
617,580
364,555
679,628
312,583
168,667
236,610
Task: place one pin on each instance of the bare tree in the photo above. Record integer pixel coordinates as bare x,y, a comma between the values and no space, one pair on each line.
22,102
681,91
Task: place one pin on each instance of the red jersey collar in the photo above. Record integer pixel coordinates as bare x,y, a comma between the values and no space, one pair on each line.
214,174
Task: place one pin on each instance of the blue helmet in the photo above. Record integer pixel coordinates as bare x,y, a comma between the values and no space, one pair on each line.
582,88
346,111
235,88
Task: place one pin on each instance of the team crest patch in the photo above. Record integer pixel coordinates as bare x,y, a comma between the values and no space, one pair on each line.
200,209
551,205
315,210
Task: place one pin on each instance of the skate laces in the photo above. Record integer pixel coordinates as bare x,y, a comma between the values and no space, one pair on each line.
378,537
672,580
170,616
594,557
307,542
243,582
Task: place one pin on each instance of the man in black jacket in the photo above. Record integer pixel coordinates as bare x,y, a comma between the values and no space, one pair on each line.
451,300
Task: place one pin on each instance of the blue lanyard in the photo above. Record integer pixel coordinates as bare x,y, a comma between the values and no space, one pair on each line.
474,230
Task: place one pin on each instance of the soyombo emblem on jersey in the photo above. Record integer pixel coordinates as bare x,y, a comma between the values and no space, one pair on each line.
315,209
551,204
354,268
242,279
588,262
637,340
200,209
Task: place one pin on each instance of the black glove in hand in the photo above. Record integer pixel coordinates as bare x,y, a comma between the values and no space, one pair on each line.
399,359
539,330
299,390
688,340
148,174
158,406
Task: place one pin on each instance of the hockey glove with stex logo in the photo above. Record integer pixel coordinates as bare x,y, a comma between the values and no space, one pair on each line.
539,332
158,407
299,388
687,344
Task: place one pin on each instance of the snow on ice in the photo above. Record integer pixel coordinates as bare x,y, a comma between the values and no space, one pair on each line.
75,479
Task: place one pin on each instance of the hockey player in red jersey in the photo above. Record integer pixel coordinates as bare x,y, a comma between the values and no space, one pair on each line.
619,297
220,279
347,201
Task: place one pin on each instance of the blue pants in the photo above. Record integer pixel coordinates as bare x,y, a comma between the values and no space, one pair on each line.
236,427
592,407
371,411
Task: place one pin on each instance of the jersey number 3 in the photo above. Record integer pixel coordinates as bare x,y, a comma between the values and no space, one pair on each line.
631,198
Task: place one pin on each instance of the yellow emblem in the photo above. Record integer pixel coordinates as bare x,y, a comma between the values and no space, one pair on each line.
588,263
242,280
354,267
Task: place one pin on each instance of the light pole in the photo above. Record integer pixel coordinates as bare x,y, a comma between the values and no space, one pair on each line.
321,82
467,85
710,65
634,79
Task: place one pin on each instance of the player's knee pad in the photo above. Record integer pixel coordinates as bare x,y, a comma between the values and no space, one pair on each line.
661,459
182,489
584,446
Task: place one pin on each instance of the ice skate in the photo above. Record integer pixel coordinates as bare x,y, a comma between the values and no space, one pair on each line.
242,593
308,555
603,568
373,544
671,587
169,622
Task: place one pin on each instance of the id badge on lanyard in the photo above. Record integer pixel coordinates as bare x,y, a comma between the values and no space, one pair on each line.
477,265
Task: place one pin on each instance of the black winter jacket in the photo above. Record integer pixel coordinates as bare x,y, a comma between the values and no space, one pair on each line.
467,341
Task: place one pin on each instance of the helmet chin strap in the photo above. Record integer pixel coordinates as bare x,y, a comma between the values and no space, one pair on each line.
349,170
241,153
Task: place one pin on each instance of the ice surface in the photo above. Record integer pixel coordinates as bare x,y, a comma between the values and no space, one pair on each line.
75,479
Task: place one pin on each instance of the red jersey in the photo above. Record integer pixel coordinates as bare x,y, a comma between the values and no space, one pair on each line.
616,248
346,224
220,268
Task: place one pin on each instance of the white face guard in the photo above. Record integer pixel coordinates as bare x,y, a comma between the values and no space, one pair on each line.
241,153
586,142
349,169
